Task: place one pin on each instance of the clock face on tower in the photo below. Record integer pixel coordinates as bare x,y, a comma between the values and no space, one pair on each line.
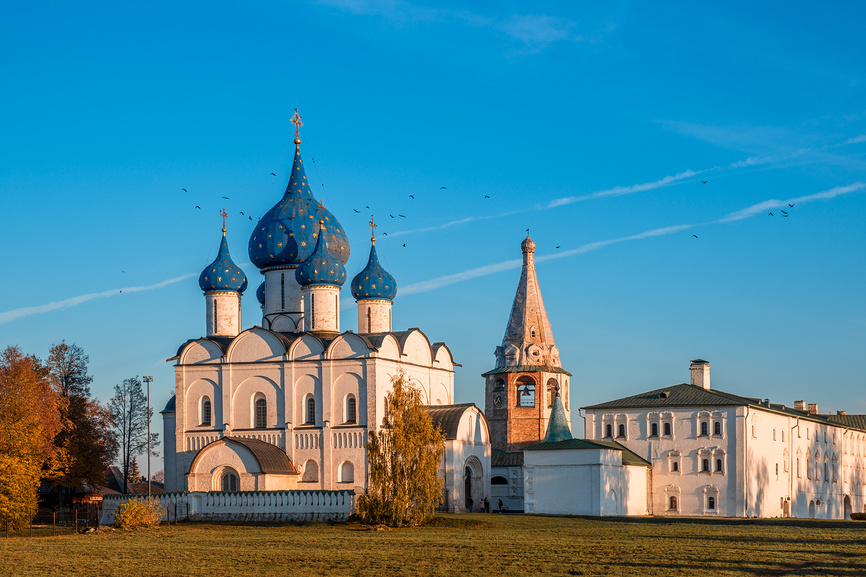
497,401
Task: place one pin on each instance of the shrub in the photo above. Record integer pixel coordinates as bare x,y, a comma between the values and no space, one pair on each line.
858,516
137,513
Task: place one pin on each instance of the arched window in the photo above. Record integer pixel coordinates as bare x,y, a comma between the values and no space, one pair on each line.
312,310
205,411
311,411
667,429
347,472
620,431
654,430
228,480
215,316
711,503
717,429
705,465
552,388
351,409
675,466
498,480
282,291
261,413
608,430
705,429
525,392
719,466
369,321
672,503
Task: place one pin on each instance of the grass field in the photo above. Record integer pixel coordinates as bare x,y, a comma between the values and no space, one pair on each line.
456,544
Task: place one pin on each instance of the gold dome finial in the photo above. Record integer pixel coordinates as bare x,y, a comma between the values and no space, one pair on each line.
224,214
321,206
373,226
296,120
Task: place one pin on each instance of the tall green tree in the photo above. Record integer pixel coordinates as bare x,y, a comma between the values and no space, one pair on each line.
29,422
403,457
86,442
130,415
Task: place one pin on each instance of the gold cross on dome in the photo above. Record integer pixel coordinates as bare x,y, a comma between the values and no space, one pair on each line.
321,206
373,226
224,214
296,120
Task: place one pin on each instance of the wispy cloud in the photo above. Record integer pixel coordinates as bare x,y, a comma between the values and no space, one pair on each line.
16,314
748,212
534,31
621,190
856,139
766,205
451,223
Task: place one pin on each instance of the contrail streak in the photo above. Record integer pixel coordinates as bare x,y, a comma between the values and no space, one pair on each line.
15,314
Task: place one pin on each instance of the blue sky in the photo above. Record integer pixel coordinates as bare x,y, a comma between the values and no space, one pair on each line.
591,124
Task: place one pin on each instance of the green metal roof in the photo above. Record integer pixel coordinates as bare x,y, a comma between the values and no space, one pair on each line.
506,459
526,369
557,427
628,457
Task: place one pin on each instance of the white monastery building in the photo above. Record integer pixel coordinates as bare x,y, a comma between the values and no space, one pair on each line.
289,404
716,453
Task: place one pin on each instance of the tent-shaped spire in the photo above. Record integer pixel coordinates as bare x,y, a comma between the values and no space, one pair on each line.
557,427
528,337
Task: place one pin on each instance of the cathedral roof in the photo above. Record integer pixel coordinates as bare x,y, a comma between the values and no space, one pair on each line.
499,458
260,293
447,417
374,282
557,427
286,234
322,267
223,274
528,337
271,459
170,405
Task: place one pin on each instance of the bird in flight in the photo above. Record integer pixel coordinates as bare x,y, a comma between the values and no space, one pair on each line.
485,196
366,207
392,216
444,187
404,245
242,212
273,174
402,215
183,189
225,197
783,212
791,205
356,210
703,182
385,233
771,214
197,206
557,247
251,218
412,196
694,235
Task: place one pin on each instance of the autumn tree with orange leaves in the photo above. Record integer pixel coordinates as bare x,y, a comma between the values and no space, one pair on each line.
29,422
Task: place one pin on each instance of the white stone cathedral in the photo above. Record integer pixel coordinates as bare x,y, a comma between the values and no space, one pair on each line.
289,404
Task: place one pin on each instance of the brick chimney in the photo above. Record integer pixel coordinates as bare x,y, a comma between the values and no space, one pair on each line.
800,405
700,370
813,408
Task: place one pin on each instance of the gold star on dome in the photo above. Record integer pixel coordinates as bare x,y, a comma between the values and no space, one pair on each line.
279,244
303,243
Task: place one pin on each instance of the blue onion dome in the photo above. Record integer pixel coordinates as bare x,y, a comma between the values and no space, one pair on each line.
223,274
322,267
286,234
374,282
260,293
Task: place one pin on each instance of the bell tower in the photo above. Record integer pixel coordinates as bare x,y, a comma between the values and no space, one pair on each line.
520,390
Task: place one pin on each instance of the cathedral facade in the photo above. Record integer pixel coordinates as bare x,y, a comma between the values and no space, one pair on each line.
289,404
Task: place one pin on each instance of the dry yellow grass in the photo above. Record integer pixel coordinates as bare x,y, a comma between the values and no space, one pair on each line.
464,544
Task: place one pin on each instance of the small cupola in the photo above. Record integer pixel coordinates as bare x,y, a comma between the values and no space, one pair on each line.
320,277
374,290
223,282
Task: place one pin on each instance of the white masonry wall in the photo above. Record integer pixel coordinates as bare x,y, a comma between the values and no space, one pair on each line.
374,316
227,320
321,308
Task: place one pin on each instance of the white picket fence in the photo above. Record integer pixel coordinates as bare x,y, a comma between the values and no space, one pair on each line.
245,506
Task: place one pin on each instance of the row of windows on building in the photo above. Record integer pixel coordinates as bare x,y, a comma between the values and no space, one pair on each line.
662,426
710,503
260,411
707,461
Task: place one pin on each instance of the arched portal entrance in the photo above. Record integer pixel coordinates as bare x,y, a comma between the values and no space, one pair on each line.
847,505
473,491
811,509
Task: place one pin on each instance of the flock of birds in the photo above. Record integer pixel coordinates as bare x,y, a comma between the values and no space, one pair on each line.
412,196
